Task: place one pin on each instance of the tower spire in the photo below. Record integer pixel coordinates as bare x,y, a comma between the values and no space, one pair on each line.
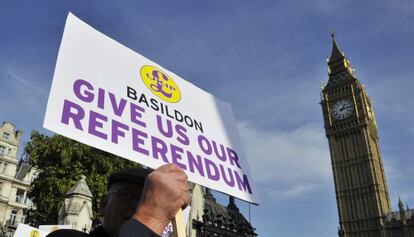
402,211
337,62
336,54
232,204
209,195
400,204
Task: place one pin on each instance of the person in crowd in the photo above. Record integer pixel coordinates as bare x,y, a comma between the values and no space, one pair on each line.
139,203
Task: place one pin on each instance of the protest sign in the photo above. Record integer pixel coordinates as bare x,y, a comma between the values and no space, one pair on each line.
28,231
51,228
106,95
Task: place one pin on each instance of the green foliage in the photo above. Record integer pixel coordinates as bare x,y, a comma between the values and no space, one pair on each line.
61,163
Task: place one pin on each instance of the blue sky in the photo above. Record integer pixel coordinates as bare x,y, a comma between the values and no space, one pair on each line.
267,59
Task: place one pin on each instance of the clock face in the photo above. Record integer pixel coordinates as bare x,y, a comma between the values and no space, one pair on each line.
342,109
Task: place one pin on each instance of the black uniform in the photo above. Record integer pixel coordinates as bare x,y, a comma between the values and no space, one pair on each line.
131,228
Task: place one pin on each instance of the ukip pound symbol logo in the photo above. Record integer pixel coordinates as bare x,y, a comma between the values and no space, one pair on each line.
160,84
34,233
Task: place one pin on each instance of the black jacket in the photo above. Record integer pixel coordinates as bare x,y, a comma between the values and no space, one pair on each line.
131,228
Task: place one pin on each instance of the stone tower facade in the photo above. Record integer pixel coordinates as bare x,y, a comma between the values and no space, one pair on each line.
77,208
361,188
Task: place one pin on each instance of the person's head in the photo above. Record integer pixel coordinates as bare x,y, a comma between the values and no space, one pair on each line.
124,191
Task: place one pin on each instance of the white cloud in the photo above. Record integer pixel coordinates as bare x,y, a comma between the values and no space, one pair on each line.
293,191
23,82
287,164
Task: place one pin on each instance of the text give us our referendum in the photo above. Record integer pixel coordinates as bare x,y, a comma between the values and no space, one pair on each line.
206,162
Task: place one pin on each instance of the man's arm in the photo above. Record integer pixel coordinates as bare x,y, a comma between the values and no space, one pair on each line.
165,192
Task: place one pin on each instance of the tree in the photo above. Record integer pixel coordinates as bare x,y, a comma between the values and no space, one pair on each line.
61,163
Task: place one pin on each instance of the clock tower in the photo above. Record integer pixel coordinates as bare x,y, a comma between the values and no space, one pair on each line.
360,186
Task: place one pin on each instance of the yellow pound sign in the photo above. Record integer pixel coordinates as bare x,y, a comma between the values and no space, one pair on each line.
160,84
34,233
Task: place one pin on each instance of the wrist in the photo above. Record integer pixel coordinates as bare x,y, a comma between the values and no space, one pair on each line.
150,218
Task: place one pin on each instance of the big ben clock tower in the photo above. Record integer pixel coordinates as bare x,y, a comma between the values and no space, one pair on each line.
361,189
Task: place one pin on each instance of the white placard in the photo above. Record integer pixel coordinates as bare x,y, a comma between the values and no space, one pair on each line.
110,97
51,228
28,231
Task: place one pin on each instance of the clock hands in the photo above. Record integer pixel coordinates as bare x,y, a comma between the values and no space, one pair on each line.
343,107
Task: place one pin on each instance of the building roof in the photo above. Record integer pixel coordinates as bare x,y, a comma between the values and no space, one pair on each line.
80,188
409,213
226,217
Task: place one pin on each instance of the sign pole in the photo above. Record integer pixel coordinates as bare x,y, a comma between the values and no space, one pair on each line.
178,225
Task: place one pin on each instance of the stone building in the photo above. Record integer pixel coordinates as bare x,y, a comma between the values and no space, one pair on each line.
209,218
15,179
76,210
400,223
364,206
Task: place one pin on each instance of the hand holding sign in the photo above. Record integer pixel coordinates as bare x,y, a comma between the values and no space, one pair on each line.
165,192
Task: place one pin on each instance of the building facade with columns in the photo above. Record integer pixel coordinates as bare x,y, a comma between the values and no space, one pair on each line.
15,178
